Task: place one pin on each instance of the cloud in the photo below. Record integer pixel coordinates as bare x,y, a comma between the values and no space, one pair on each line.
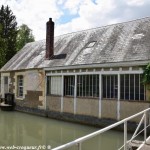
135,2
77,14
34,13
103,12
73,6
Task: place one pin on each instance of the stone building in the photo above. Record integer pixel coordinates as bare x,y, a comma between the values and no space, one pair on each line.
94,73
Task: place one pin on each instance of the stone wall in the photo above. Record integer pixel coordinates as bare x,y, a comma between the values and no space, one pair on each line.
128,108
109,109
90,107
68,105
12,79
31,99
33,87
87,106
53,103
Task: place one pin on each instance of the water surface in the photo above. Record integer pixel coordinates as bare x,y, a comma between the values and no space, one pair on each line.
21,129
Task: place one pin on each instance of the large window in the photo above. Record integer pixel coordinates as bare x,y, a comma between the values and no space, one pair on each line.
69,84
88,85
54,85
20,86
131,87
110,86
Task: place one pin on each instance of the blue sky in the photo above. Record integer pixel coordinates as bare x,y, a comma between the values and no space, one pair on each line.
75,15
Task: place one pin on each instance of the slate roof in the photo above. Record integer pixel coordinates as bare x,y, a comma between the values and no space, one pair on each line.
122,42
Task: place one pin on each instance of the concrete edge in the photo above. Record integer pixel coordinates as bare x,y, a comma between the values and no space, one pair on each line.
80,119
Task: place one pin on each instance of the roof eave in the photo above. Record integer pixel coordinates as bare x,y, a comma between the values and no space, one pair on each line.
100,65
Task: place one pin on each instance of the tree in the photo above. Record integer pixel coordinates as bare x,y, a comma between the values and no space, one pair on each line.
2,49
24,36
146,74
8,32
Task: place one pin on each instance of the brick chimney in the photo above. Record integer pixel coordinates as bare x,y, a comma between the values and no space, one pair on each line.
49,39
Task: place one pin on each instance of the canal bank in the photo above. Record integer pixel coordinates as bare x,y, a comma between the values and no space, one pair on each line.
79,119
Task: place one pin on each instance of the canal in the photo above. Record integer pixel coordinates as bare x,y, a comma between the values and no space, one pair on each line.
21,129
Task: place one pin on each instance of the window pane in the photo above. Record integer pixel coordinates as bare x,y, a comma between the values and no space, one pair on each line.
48,85
5,80
69,83
104,86
88,85
20,86
127,86
122,86
54,85
136,86
134,89
142,97
132,86
6,86
115,86
78,86
110,86
95,85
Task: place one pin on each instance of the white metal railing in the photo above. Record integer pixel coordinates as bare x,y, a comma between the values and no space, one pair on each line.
78,142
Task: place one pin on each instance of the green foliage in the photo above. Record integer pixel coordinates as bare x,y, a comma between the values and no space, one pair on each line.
8,34
2,49
146,74
11,39
24,36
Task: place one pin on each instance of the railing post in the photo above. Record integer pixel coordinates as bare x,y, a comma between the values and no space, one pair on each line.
145,130
79,146
125,135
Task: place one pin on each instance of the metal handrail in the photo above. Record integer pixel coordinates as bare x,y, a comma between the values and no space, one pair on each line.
91,135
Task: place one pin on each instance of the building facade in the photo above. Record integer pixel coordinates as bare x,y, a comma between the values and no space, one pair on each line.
95,73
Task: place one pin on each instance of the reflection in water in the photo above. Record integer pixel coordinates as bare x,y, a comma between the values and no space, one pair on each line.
22,129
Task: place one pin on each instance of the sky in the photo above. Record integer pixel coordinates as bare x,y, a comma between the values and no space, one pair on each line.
75,15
